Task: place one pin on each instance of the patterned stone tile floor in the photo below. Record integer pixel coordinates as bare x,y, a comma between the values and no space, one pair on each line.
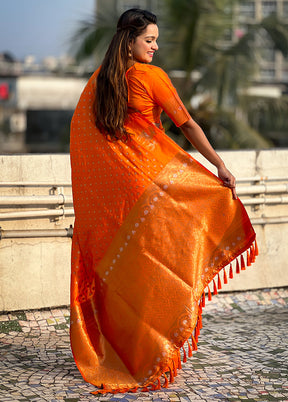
242,355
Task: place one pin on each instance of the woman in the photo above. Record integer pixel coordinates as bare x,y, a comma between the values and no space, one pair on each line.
153,227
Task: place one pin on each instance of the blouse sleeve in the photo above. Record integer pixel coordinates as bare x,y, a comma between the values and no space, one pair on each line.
165,95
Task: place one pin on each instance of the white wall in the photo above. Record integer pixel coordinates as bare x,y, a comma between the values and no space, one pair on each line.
41,92
35,273
270,269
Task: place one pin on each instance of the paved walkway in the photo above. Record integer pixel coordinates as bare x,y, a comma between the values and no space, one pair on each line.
242,355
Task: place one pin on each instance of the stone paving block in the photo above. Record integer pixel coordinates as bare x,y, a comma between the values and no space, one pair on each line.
242,355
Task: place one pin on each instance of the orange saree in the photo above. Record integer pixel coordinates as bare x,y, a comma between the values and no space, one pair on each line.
153,228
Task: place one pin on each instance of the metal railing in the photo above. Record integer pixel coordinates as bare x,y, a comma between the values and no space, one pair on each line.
260,192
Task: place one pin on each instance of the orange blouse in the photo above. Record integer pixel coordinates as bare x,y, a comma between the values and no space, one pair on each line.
151,91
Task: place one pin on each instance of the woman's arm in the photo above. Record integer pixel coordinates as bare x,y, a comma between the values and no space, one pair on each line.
198,139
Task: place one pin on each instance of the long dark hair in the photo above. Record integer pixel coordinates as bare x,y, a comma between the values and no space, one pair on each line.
112,90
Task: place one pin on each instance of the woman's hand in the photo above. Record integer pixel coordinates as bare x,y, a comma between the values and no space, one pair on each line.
196,136
228,179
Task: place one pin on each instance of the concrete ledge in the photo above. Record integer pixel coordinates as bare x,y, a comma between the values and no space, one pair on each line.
35,273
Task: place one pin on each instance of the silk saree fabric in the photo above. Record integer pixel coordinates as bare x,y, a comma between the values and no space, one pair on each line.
153,228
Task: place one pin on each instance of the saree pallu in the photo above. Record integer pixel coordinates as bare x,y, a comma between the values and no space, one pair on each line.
153,228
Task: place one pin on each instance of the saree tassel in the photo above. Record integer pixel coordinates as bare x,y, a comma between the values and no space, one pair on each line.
200,322
198,327
102,391
237,267
194,343
134,390
219,285
248,259
146,389
231,272
179,364
165,385
225,277
214,288
242,263
122,391
189,349
158,385
174,362
171,375
99,391
153,387
200,307
209,293
196,332
256,248
184,355
203,299
252,253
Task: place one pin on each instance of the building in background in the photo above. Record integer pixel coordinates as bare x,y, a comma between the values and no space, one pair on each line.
273,66
37,102
119,6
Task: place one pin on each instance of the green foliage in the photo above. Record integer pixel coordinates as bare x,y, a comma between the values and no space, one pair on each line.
222,128
268,116
194,28
225,68
93,36
197,38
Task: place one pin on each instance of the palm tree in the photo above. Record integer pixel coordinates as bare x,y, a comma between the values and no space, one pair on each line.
224,67
268,116
92,37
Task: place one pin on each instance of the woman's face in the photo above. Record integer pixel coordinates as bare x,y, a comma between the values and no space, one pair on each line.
145,45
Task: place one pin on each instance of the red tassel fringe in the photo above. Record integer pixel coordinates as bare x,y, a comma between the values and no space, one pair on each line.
176,361
231,272
237,267
194,343
209,294
189,349
165,385
252,252
256,249
242,263
225,277
248,259
184,355
203,299
214,288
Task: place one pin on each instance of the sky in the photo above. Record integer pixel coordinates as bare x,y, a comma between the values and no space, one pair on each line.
40,27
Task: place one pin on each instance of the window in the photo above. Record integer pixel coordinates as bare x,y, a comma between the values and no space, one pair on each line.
247,9
268,54
285,75
227,36
268,7
48,130
285,9
267,74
